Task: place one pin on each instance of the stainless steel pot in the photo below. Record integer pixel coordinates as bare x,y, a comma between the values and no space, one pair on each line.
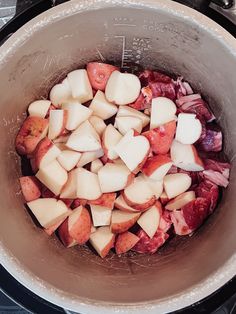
159,34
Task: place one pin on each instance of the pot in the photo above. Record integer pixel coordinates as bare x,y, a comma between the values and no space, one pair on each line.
155,34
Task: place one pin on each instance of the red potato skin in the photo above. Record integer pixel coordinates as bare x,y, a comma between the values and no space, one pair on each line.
196,157
130,179
161,138
30,187
106,200
52,107
42,148
154,163
64,234
123,226
165,221
81,229
125,242
158,206
136,133
140,207
140,166
99,74
104,158
107,248
30,134
64,130
53,228
124,209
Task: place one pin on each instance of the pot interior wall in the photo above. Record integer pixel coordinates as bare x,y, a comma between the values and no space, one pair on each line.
149,39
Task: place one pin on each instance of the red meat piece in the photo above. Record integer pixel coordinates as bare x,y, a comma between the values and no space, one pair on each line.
215,165
144,100
160,77
148,76
204,131
210,192
165,221
182,88
212,141
195,175
217,172
180,226
145,77
216,177
186,99
147,245
195,212
155,84
173,170
163,89
195,104
46,193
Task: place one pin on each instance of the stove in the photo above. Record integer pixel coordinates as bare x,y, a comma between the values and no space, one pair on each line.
15,298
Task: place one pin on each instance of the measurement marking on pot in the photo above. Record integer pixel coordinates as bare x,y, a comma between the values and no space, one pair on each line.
103,59
125,52
123,21
123,24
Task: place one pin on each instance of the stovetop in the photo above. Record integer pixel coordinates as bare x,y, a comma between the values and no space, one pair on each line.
222,302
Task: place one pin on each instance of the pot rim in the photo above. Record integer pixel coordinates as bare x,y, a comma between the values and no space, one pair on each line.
42,288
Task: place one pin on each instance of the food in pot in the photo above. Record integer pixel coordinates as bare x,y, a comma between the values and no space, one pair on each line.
120,160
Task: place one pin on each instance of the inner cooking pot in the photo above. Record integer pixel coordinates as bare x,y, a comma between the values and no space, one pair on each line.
152,34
